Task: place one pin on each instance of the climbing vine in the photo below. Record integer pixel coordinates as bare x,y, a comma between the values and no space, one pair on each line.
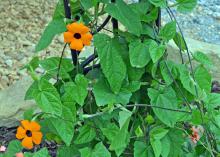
125,97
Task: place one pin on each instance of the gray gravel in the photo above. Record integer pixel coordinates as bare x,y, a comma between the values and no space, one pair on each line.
203,23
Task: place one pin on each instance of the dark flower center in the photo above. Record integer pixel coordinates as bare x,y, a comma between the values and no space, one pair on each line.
77,35
28,133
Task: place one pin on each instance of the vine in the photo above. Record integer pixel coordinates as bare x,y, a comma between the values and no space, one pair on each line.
126,97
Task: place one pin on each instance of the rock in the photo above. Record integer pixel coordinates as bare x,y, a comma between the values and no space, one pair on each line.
12,103
9,62
212,50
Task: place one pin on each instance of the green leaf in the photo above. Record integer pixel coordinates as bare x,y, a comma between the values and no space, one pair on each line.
100,151
134,74
203,78
156,51
32,91
176,139
59,12
139,53
86,134
123,117
110,131
179,41
42,153
87,4
165,150
123,13
78,89
166,99
196,117
61,127
28,114
141,8
159,3
187,80
121,139
212,100
185,6
70,151
140,149
157,147
168,31
111,61
151,16
158,133
165,72
54,27
33,64
202,58
104,95
51,66
86,152
13,148
46,97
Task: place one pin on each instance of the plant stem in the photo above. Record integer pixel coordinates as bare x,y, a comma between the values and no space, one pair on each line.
60,62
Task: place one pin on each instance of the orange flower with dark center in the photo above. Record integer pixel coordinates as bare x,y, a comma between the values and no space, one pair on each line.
77,36
29,133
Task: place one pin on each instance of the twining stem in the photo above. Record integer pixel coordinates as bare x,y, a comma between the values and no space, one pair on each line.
159,107
137,105
209,141
179,42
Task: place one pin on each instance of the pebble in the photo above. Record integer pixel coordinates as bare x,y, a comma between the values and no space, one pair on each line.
9,62
20,32
202,24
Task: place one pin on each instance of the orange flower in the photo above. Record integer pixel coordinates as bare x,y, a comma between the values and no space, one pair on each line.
77,36
30,133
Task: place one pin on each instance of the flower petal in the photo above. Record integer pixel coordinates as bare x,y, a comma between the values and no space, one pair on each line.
76,45
21,133
37,137
27,143
84,29
26,124
73,27
68,37
2,148
86,39
77,28
35,126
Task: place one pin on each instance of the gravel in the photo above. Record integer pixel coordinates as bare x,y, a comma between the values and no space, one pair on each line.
202,24
21,24
23,21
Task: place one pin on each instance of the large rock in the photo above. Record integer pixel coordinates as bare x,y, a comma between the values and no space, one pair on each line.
212,50
12,103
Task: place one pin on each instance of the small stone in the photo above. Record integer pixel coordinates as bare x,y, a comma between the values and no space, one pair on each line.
9,62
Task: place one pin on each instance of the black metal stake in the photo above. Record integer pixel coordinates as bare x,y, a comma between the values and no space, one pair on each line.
114,21
67,9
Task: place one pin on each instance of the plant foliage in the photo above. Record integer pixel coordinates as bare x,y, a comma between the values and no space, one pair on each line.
137,102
